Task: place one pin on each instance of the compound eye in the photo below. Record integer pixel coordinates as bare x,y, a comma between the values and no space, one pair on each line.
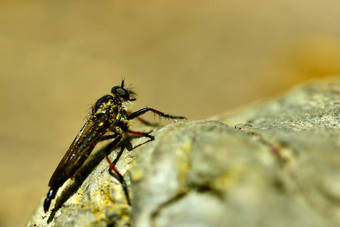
120,92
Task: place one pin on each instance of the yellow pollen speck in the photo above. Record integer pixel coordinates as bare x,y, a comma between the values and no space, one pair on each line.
101,124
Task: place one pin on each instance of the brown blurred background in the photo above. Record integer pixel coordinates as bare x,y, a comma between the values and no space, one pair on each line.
195,58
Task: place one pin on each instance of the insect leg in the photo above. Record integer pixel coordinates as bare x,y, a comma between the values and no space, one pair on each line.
143,134
146,109
143,121
120,178
128,144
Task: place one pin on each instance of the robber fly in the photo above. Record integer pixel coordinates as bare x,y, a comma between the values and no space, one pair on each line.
108,120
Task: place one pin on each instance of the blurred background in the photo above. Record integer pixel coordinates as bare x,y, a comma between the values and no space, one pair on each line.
195,58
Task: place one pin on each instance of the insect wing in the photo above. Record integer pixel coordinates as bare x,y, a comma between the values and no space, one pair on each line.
77,153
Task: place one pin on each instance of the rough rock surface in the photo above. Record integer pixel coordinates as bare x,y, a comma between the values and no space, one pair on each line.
276,164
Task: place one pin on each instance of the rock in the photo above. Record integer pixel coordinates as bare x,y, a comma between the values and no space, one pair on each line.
276,164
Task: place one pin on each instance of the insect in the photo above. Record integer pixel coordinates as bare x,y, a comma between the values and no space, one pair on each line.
108,120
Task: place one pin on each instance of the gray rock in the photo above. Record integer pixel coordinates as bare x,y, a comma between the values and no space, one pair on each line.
276,164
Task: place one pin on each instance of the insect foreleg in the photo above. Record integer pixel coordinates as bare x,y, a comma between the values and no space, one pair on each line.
146,109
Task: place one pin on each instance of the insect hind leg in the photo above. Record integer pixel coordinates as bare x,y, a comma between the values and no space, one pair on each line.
112,165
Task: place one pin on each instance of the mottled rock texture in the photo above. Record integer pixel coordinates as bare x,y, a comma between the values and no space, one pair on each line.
276,164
